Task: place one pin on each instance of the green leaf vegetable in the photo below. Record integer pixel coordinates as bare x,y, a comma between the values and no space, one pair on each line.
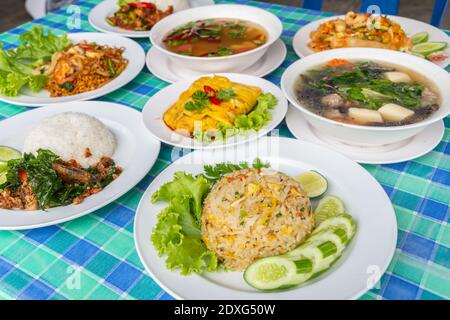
177,233
366,85
254,120
17,66
46,184
214,173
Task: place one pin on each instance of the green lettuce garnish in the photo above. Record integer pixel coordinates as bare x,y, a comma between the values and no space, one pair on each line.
17,65
253,121
177,233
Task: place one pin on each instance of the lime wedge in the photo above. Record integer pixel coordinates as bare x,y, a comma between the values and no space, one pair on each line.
7,153
427,48
328,207
420,37
313,183
3,166
2,178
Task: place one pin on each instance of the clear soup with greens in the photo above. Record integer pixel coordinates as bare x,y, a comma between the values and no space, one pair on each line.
367,93
215,37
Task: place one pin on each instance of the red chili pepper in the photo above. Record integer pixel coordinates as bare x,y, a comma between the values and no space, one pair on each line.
23,176
210,91
214,100
142,5
85,46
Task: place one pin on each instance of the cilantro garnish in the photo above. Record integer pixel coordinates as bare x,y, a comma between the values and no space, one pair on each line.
199,101
225,94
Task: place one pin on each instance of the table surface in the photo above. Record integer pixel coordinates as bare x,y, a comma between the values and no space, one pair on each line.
94,257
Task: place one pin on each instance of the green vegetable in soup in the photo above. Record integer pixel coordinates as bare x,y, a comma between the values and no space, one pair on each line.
367,86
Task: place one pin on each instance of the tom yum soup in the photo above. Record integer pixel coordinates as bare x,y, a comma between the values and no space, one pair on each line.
367,93
215,37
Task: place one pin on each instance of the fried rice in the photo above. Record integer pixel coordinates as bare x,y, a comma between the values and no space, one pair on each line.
255,213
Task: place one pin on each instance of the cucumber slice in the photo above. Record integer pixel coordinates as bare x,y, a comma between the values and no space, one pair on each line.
328,207
313,183
270,273
427,48
420,37
307,261
7,153
343,221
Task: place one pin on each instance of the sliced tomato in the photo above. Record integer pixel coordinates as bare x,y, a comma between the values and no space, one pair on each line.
23,176
184,48
86,46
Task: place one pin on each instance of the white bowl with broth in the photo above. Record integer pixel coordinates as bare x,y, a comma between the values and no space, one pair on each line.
420,70
235,62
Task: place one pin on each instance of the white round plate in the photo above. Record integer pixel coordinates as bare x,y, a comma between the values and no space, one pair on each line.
160,66
133,52
364,198
97,17
410,149
158,104
136,152
411,27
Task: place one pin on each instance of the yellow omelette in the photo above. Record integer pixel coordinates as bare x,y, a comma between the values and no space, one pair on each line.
183,121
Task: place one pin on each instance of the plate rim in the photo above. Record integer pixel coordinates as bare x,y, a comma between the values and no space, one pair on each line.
300,31
387,260
138,65
294,113
71,106
125,33
162,77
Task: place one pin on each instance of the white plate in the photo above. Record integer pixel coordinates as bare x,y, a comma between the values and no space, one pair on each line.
97,17
133,52
362,264
136,153
163,68
412,148
158,104
411,27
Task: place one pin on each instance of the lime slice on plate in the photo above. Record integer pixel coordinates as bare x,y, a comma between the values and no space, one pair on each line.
7,153
427,48
3,166
313,183
420,37
2,178
328,207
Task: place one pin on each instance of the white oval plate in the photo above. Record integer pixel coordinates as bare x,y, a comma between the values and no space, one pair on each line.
133,52
158,104
415,147
371,249
97,18
411,27
160,65
136,152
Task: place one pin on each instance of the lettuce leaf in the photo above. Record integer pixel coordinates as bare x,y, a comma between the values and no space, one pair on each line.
177,233
17,65
259,116
185,185
244,123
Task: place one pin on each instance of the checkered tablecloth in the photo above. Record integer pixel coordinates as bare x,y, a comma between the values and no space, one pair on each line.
94,257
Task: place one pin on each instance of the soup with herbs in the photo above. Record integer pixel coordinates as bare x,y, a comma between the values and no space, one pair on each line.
215,37
367,93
